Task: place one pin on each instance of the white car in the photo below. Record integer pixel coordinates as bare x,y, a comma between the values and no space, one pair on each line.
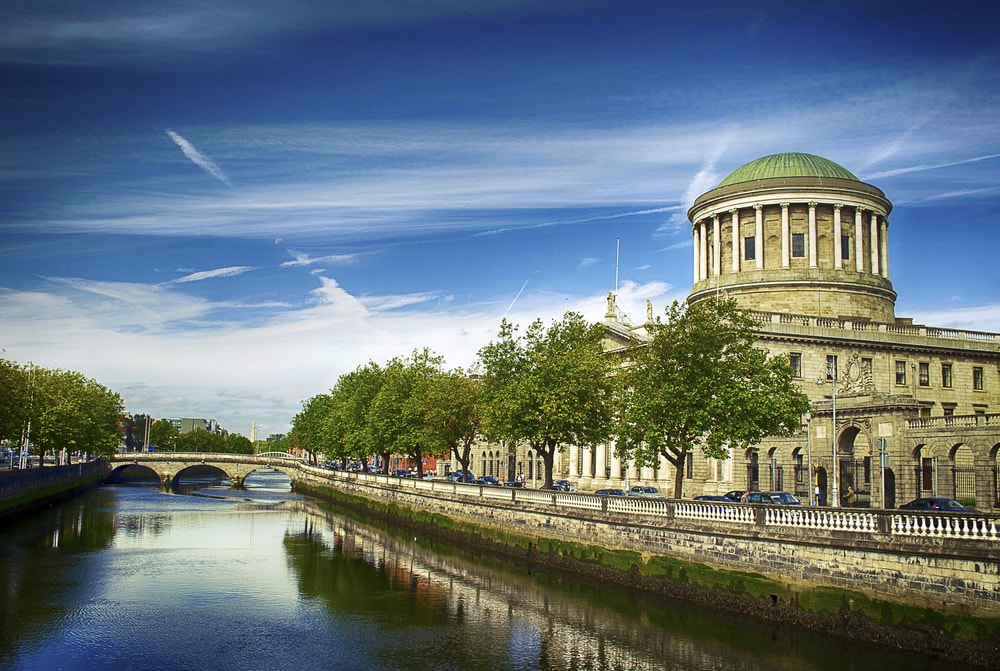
640,490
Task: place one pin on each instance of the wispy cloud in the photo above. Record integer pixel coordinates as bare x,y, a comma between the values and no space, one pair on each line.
519,292
928,166
198,158
210,274
303,259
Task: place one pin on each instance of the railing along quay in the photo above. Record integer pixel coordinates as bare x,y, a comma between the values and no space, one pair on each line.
870,522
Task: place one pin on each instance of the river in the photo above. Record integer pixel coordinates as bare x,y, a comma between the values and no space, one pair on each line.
130,577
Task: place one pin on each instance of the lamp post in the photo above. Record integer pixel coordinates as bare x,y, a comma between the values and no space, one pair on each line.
809,457
831,369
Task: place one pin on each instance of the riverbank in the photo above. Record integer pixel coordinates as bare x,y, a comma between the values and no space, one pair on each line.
845,613
25,491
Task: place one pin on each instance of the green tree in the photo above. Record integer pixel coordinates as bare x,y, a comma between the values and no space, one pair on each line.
552,387
14,400
74,412
200,440
349,428
164,435
310,426
703,381
401,419
452,410
238,444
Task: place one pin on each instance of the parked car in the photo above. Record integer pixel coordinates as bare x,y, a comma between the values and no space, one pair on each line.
512,483
641,490
937,504
566,485
461,476
735,495
713,497
776,498
610,492
488,480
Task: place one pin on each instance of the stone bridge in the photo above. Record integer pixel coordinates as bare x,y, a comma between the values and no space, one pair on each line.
169,467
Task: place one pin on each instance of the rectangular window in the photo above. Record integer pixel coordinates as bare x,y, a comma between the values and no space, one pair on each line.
798,245
831,366
977,378
946,375
749,248
795,361
901,372
689,466
866,370
925,374
949,410
845,247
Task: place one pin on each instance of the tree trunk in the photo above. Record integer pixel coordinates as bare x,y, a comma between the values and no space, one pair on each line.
677,461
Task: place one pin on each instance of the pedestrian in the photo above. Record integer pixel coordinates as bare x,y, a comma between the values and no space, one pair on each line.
851,496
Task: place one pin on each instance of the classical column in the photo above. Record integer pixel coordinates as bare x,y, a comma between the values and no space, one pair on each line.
859,241
617,468
704,251
601,459
875,244
716,246
697,247
884,245
812,234
588,463
838,257
574,455
785,257
759,235
736,240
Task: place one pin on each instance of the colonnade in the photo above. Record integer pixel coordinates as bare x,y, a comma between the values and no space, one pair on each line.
877,262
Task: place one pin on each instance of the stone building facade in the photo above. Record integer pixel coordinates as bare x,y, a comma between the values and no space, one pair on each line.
899,410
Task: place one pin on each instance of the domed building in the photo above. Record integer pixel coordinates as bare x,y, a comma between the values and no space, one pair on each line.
795,233
899,410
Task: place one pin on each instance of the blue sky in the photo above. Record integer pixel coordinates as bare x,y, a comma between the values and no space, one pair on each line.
216,209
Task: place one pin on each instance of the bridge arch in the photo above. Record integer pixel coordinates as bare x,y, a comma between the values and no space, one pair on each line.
169,468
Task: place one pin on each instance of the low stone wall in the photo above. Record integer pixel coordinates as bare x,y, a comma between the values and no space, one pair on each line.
945,575
24,490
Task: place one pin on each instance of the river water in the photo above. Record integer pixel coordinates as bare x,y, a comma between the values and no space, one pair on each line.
130,577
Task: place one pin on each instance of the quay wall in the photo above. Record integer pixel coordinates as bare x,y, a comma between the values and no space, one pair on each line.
884,555
25,490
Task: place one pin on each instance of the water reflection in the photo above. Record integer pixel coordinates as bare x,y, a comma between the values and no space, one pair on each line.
259,578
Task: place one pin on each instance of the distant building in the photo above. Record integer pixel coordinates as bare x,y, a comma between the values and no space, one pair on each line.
803,243
187,424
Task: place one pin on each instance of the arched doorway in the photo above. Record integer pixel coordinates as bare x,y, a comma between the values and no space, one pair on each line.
890,489
822,499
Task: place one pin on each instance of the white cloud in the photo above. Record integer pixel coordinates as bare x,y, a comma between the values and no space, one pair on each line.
121,335
198,158
211,274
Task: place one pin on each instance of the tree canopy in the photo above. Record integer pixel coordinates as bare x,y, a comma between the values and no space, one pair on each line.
702,381
64,409
551,387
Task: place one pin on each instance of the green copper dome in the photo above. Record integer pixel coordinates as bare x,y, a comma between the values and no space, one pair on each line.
788,165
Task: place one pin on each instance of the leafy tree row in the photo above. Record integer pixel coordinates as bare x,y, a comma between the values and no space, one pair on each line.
701,383
62,409
165,436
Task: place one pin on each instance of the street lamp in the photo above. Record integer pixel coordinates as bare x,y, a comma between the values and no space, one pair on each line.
809,457
831,370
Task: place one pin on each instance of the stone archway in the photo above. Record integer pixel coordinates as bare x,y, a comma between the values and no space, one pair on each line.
823,498
890,488
963,474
